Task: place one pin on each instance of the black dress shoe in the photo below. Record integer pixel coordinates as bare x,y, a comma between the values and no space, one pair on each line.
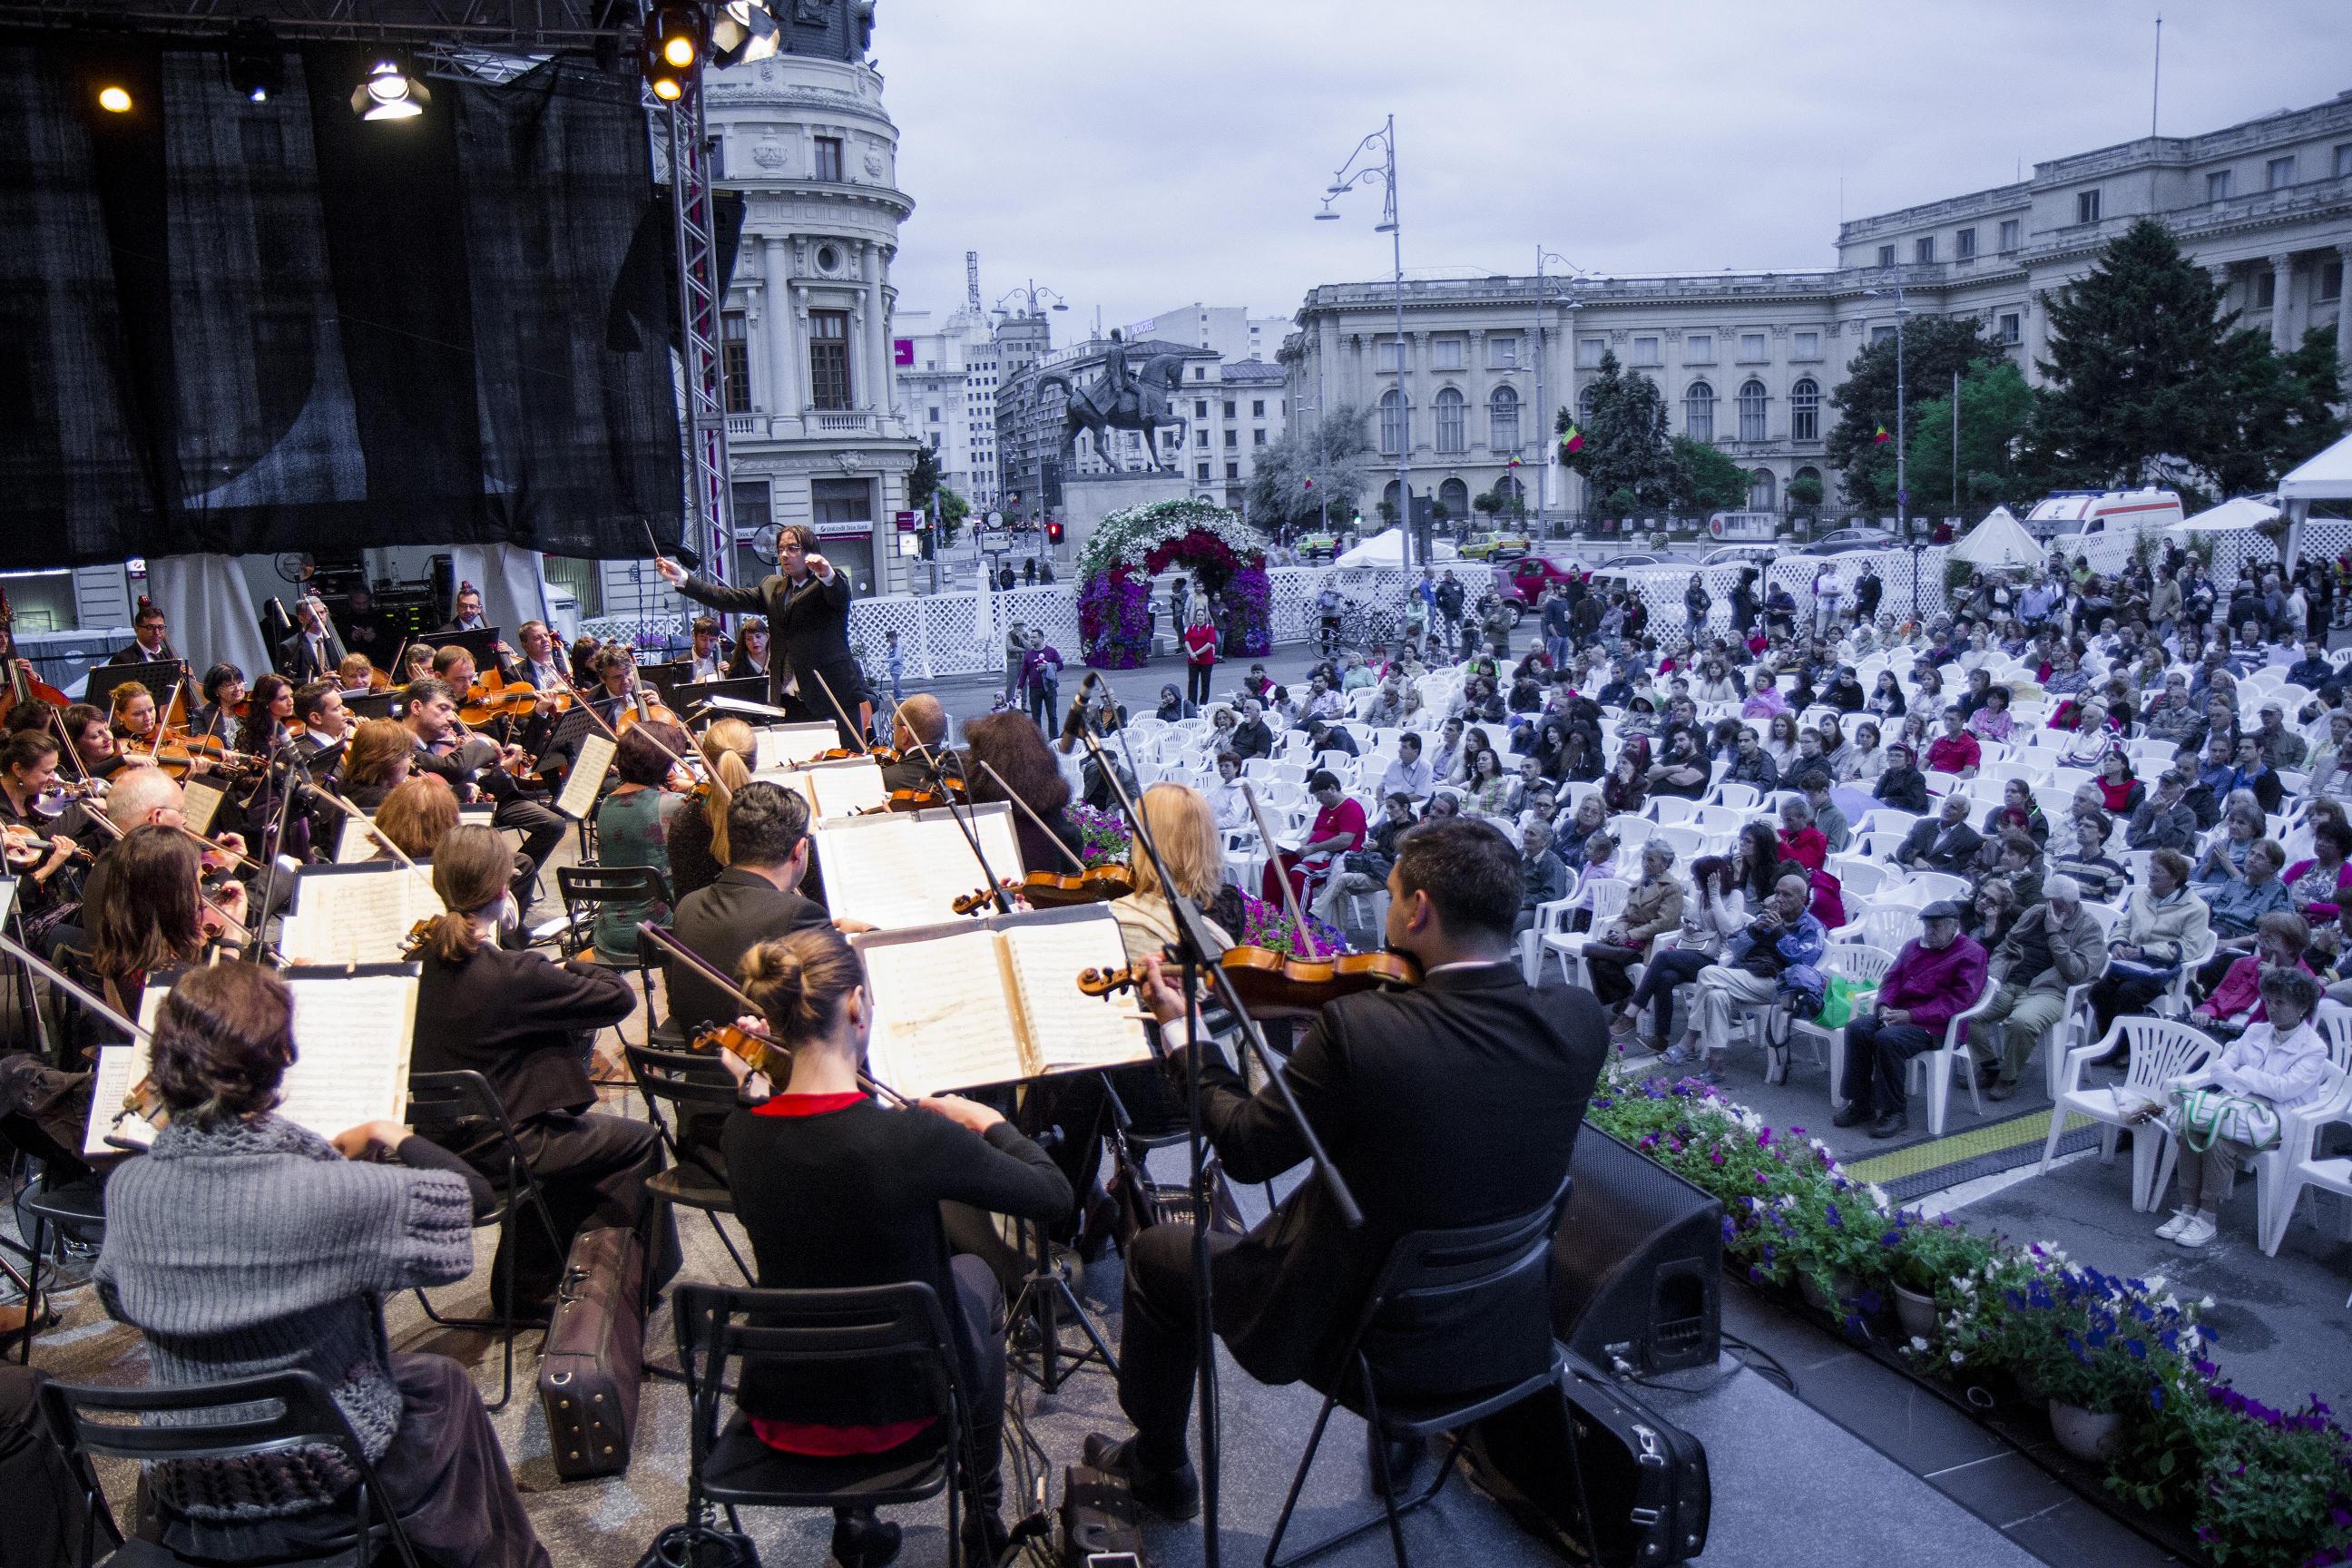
1854,1115
1403,1454
862,1540
1171,1494
1988,1074
2000,1089
1888,1125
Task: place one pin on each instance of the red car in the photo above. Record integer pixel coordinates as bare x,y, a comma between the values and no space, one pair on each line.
1524,581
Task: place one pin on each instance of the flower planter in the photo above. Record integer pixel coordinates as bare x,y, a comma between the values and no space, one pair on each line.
1916,1312
2084,1434
1848,1287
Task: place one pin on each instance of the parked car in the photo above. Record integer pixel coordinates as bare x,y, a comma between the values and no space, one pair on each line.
1617,562
1498,546
1524,583
1319,546
1845,540
1735,554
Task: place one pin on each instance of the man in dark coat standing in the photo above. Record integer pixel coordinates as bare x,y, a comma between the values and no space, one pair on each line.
807,605
1398,1085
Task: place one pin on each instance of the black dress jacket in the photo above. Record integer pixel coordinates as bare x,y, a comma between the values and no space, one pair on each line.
520,1020
720,923
1455,1103
808,631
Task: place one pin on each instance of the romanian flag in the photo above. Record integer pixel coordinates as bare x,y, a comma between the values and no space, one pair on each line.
1882,437
1515,462
1310,481
1573,442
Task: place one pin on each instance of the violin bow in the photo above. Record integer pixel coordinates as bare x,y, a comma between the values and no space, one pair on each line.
848,726
1274,859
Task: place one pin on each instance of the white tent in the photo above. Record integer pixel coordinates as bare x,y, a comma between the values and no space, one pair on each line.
2240,513
1387,549
2328,477
1999,541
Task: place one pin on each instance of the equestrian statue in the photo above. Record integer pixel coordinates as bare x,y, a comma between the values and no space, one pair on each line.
1121,399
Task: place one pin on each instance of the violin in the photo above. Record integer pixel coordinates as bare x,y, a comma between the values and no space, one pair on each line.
1271,980
414,942
757,1050
980,900
917,799
490,698
884,755
1099,884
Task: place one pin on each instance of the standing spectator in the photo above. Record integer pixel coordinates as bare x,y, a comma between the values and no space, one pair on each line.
1828,593
1328,606
1696,602
1041,681
1450,601
1016,653
1558,627
896,657
1867,591
1200,655
1939,975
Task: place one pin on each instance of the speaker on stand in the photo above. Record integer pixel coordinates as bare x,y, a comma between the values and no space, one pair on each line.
1637,1263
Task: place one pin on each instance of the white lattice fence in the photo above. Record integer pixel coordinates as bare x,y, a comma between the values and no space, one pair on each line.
1662,587
2324,541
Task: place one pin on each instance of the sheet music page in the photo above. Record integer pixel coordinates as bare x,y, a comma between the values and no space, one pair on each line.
353,1033
892,872
992,825
357,843
941,1019
587,776
360,916
787,745
120,1067
204,804
845,789
1067,1028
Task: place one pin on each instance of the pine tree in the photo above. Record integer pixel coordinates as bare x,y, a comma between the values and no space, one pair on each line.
1625,449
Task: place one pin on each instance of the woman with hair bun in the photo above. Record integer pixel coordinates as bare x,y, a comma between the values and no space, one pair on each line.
243,1244
838,1190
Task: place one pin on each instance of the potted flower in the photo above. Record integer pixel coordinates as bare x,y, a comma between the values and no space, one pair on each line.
1930,1258
1841,1255
1102,837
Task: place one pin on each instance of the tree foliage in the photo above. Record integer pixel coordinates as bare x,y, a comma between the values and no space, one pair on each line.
923,482
1705,480
1934,347
1996,415
1625,444
1335,453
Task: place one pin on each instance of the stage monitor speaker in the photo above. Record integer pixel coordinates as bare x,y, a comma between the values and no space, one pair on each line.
1637,1263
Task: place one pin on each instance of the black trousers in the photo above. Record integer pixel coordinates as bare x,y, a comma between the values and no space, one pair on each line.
1876,1056
1159,1358
541,828
2114,995
593,1169
1607,963
980,1329
1196,683
1675,966
44,1508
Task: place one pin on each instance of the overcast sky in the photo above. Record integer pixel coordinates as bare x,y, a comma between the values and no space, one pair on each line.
1137,154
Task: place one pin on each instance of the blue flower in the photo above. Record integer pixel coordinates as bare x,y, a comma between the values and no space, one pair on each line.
1870,1300
2138,1349
1730,1231
2156,1397
1892,1238
1830,1213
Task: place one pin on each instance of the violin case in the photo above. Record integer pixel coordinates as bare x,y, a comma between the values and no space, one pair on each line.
593,1359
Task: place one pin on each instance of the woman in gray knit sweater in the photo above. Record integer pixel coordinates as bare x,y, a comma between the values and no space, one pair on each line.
242,1244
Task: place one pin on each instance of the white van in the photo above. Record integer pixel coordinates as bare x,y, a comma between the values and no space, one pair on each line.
1743,526
2067,512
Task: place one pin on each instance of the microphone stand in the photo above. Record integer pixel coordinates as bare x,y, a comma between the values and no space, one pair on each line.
281,814
970,834
1193,953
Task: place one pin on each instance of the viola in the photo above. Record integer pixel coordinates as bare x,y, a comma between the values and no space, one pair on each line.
490,698
1099,884
1268,980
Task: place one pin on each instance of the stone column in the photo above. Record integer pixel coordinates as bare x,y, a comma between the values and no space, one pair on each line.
784,346
2343,309
755,342
2282,273
1475,429
874,347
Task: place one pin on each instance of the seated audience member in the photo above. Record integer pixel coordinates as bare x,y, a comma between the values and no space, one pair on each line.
1469,1059
2101,877
1939,975
2227,846
1685,772
2162,821
1782,936
529,1025
1955,751
1900,785
2021,865
1943,842
2322,884
2163,923
1337,828
2054,945
1544,879
2017,812
2239,902
1828,817
1653,907
1409,775
1987,918
2281,940
2277,1065
885,1172
242,1244
1800,839
2120,791
2250,771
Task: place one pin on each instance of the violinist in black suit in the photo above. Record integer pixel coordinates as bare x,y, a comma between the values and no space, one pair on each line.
150,644
1401,1085
311,650
806,603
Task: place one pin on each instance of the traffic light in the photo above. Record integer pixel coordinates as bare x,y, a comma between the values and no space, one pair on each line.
1052,532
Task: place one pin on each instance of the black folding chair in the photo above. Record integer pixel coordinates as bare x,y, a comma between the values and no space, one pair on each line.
461,1111
242,1418
587,887
690,1084
871,1327
72,1209
1424,1270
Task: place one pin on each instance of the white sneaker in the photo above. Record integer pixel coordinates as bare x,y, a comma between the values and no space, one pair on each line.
2198,1232
2170,1229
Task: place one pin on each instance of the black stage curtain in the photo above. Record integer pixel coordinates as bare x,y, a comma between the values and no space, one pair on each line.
248,328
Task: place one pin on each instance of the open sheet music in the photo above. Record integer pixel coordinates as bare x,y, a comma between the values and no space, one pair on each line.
582,785
836,789
355,914
352,1030
789,745
995,1001
204,803
903,868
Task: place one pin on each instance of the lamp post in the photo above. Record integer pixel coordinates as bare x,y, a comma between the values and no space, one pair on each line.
1030,293
1902,485
1543,403
1351,174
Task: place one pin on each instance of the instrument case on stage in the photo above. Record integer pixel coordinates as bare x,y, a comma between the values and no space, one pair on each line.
1098,1520
595,1356
1645,1477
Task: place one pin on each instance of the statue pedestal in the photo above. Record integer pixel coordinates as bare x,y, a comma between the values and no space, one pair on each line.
1087,498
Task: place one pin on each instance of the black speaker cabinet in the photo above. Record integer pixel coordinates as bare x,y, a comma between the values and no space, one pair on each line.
1637,1263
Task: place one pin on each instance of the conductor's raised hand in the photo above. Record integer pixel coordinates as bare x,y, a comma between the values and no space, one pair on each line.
671,572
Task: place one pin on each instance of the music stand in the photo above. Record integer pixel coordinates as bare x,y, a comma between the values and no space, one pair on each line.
667,678
371,704
480,644
160,677
692,694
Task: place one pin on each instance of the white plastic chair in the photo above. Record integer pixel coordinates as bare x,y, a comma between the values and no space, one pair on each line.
1940,1063
1631,832
1742,797
1551,920
2162,1052
1884,925
1859,876
1668,808
2298,1166
1924,887
1688,842
1608,902
1856,962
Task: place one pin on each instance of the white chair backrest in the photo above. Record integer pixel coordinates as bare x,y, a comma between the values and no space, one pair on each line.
1609,901
1857,961
1571,795
1877,846
1858,875
2162,1051
1924,888
1721,818
2108,916
1887,820
1631,832
1888,926
1743,796
1663,808
1688,841
2334,1023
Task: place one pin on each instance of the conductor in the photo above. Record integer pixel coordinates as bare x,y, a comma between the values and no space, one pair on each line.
1402,1086
807,605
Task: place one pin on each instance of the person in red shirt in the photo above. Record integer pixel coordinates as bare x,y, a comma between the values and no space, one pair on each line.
1955,751
1800,840
1199,655
1339,828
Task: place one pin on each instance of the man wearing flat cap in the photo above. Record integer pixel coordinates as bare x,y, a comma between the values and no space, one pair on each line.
1939,975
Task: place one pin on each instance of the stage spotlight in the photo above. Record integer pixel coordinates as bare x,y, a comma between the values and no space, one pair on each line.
114,99
743,32
673,44
389,93
256,68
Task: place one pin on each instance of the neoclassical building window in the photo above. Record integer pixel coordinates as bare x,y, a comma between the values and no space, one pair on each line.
1752,402
1698,411
1503,422
1455,497
1394,422
1451,435
1759,490
1805,410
